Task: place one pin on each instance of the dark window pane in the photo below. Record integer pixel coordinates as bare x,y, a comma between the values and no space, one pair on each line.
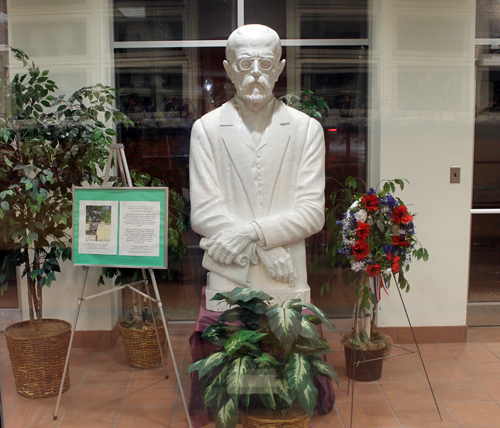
143,20
487,19
484,282
270,13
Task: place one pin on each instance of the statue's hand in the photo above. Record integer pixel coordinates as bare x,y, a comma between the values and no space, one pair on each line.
279,264
226,245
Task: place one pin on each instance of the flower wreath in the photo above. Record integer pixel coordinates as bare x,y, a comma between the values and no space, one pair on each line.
378,237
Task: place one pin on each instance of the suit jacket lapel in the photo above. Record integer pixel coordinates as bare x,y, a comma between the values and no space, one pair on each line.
277,145
233,135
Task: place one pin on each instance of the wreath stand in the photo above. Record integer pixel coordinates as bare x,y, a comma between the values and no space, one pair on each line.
408,351
117,150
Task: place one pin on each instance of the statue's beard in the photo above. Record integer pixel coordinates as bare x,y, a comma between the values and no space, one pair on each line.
255,90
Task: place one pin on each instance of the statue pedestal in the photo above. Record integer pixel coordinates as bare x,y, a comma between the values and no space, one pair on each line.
279,297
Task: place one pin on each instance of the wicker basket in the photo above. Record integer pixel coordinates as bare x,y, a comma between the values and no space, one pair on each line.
141,346
252,421
38,362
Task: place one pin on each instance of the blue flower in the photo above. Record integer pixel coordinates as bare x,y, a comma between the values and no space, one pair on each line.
387,248
371,191
390,201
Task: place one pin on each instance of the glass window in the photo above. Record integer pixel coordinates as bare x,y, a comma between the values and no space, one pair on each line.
487,19
173,20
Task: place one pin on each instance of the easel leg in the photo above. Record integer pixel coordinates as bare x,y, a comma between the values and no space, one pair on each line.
66,364
160,307
154,323
419,353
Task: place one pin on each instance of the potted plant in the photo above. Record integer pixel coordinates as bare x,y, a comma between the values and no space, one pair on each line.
264,369
374,241
137,327
48,144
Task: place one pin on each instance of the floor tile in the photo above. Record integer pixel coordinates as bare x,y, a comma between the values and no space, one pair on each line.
407,392
492,387
368,415
476,354
98,396
432,355
400,373
153,377
36,417
107,377
443,372
460,391
145,417
157,396
475,412
495,348
422,415
330,420
483,370
364,393
97,417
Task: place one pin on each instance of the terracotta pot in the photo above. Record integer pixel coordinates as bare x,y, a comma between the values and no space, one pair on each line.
370,364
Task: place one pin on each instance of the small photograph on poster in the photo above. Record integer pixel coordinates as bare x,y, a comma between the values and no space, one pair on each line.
99,220
140,228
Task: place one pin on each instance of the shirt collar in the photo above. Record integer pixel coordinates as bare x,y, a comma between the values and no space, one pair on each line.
243,110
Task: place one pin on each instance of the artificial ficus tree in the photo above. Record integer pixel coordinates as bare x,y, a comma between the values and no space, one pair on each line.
48,145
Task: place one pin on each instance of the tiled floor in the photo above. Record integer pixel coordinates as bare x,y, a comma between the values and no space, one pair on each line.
106,393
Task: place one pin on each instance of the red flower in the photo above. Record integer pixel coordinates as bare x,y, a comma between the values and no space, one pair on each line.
363,230
400,215
370,202
373,270
360,249
398,240
395,262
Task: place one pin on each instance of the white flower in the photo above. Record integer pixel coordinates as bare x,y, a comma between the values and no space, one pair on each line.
357,266
406,263
361,215
387,272
384,210
349,242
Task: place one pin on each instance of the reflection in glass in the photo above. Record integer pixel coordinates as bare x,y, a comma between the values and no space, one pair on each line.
156,20
165,90
484,279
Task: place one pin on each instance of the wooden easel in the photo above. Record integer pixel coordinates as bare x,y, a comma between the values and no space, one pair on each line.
117,150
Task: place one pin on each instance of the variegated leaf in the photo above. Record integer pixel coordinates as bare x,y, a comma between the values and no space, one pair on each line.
267,387
285,324
227,412
324,368
283,390
233,314
322,315
216,333
206,365
309,330
246,294
240,374
214,389
238,339
298,374
267,358
307,398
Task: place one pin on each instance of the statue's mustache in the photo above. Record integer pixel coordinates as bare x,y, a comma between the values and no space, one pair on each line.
250,80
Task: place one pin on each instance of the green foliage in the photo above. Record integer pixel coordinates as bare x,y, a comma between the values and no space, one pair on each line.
309,104
268,359
48,145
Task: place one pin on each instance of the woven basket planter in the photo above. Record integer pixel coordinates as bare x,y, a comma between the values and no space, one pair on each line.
253,421
38,362
141,346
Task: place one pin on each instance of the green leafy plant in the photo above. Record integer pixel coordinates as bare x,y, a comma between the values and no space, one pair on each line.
310,104
373,240
268,360
48,144
139,315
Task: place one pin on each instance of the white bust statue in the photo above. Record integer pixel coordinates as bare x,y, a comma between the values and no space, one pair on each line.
257,178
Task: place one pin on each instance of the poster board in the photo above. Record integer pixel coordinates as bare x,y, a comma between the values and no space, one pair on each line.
120,227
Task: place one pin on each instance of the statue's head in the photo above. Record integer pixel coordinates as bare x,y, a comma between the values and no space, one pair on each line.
253,62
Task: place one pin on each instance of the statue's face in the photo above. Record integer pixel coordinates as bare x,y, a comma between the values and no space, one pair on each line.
254,67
